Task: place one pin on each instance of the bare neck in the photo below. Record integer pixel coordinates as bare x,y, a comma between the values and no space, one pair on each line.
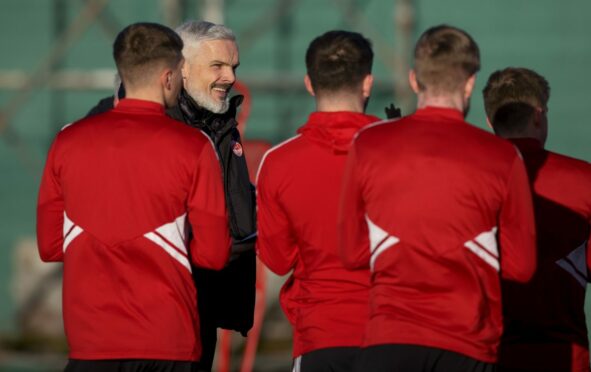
528,132
454,101
340,102
146,94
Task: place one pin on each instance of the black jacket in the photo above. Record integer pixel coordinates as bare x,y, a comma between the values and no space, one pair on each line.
240,193
227,297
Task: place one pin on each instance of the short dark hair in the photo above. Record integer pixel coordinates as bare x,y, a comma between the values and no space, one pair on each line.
338,60
514,85
512,118
445,57
141,47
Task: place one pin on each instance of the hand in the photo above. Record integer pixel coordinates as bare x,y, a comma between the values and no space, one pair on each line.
392,112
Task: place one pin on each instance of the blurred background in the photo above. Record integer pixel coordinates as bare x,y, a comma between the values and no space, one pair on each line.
56,64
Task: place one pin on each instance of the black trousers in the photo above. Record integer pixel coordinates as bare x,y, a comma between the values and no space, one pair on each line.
414,358
124,365
334,359
209,337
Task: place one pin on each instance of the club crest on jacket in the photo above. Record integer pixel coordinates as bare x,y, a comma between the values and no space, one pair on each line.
237,148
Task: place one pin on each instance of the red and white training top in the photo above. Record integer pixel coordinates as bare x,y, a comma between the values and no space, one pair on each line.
298,188
448,210
119,193
545,326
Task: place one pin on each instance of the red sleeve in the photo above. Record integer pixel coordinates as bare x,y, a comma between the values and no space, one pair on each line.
50,212
589,238
210,246
589,252
353,235
517,235
276,245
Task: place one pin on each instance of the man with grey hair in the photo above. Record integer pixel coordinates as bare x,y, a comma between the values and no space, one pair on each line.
225,298
212,58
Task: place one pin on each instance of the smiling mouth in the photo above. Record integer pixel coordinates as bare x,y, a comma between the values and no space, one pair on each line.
221,91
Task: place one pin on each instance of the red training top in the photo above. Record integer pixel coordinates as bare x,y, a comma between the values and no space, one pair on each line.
545,325
118,194
297,195
438,198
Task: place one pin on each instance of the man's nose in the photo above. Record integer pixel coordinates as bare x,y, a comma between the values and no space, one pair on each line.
229,75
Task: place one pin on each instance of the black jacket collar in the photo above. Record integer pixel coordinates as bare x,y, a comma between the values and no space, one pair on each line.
197,116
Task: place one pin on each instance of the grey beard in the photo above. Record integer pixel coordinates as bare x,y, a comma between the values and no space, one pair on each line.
209,104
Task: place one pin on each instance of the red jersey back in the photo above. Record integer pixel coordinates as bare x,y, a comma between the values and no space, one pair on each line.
119,193
545,325
447,209
298,185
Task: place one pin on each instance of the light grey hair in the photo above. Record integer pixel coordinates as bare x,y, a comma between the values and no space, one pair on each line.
194,32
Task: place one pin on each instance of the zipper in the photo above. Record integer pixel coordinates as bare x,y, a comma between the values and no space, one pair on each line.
225,163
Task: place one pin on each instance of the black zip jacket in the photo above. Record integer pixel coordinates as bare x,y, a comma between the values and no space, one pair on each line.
227,297
240,194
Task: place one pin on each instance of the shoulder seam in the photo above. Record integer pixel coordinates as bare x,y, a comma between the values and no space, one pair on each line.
215,151
372,125
273,149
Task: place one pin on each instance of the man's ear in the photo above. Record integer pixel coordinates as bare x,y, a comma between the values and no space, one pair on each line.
166,79
367,85
541,124
185,69
537,117
308,84
488,123
412,80
469,86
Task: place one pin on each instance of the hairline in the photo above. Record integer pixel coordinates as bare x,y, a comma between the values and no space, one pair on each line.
424,63
192,41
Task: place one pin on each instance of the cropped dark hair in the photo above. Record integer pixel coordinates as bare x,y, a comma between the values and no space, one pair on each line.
511,98
338,60
141,47
512,118
445,57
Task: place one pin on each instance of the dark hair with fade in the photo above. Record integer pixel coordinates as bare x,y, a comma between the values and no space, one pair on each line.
140,48
338,60
445,57
512,118
511,97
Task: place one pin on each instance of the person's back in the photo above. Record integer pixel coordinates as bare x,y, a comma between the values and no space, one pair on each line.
447,209
298,187
303,177
550,309
119,194
545,327
437,195
226,298
127,176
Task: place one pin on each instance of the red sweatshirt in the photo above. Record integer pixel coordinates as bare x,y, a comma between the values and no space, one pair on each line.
544,319
118,194
297,193
448,210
